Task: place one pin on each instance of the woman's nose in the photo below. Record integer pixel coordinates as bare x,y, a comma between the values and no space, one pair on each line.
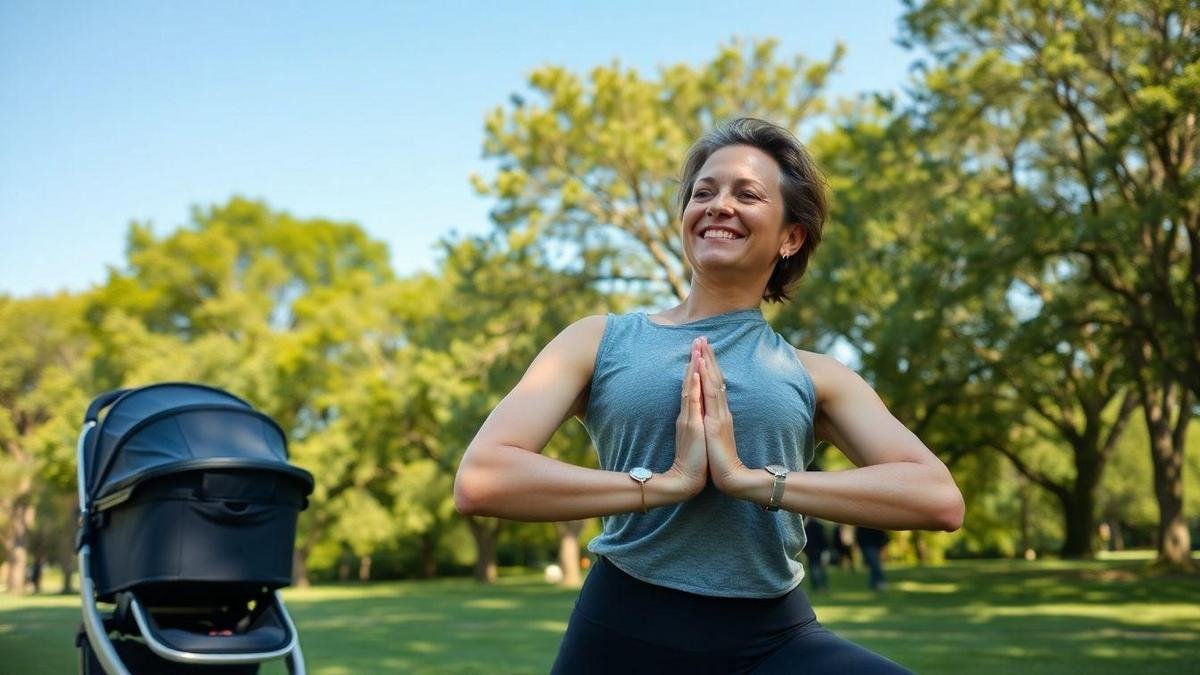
719,204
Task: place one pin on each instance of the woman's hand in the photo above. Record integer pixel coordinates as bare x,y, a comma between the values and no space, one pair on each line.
723,460
691,458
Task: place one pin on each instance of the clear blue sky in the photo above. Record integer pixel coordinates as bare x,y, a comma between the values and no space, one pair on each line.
370,112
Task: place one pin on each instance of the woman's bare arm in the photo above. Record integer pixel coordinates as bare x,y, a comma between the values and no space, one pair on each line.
503,473
899,483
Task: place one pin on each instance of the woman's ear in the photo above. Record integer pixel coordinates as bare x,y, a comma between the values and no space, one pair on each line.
794,240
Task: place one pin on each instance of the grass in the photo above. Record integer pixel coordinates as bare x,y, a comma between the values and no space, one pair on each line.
1106,616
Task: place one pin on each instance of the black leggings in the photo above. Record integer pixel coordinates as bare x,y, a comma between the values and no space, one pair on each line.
624,625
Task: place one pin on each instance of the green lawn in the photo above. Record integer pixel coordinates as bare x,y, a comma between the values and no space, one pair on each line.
981,617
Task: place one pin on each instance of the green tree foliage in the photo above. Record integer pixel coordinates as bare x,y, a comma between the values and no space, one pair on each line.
43,356
288,313
1090,110
498,301
592,161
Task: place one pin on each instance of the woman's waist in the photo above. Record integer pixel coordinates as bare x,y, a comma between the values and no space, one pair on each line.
614,598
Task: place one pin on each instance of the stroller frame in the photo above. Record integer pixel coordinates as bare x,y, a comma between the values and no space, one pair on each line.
93,621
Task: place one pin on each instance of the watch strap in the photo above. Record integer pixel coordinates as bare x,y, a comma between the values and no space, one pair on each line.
640,475
776,492
779,472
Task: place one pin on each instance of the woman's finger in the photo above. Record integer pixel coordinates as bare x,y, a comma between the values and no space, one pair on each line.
718,378
714,381
710,388
691,387
711,357
686,384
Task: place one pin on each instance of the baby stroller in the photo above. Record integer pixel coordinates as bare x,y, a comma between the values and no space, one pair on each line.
188,511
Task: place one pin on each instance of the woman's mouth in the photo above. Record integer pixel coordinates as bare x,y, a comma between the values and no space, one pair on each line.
720,234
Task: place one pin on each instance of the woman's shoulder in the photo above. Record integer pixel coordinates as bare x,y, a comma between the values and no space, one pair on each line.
825,371
578,344
586,332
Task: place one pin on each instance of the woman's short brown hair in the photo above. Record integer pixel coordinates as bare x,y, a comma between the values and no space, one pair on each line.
801,181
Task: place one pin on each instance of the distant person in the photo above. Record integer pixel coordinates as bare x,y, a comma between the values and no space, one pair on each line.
843,546
871,543
816,546
697,566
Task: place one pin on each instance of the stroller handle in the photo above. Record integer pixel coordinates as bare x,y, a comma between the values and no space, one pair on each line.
101,402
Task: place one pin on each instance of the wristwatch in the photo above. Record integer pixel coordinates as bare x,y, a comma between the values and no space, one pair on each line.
780,473
641,474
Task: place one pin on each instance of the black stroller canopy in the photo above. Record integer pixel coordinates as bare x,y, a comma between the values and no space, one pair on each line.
166,428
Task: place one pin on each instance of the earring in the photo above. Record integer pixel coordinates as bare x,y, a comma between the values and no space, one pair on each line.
785,257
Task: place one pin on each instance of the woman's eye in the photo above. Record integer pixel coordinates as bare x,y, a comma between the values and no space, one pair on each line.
699,193
749,195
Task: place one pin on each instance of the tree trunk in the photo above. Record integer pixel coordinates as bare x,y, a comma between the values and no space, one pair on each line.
1114,531
1023,492
35,574
68,571
568,551
300,556
300,567
428,555
364,568
486,532
1166,451
20,525
919,547
1079,513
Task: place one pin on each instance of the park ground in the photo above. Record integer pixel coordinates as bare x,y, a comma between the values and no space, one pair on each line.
1116,615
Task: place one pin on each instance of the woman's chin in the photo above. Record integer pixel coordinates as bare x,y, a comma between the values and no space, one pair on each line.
720,262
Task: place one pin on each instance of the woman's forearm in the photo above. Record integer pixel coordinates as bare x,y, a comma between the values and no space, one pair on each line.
890,496
514,483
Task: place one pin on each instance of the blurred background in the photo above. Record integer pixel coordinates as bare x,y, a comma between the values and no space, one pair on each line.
368,218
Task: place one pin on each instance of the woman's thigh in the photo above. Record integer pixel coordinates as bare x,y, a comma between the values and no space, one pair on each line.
592,648
818,651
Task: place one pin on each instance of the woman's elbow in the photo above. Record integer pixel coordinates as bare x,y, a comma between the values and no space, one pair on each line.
467,498
952,513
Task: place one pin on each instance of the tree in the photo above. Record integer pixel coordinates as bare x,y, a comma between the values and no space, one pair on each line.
43,352
287,313
1090,108
592,164
908,282
501,301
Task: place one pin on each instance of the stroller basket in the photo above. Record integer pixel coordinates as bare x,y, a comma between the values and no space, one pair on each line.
188,519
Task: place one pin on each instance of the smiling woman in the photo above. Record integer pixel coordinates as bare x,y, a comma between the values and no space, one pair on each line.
757,161
704,518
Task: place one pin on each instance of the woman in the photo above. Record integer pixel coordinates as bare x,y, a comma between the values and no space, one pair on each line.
697,568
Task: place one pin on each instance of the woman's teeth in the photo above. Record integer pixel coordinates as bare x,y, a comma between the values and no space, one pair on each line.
720,234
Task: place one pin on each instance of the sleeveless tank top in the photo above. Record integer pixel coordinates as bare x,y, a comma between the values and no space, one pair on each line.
712,544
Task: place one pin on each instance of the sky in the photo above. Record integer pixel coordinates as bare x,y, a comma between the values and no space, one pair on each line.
368,112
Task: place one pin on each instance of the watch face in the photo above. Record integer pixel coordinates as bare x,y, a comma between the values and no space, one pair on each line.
641,473
777,469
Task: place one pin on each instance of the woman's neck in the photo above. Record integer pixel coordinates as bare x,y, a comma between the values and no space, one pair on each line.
704,301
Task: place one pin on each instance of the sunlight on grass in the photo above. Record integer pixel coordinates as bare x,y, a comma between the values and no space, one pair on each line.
855,614
1135,554
371,621
923,587
1153,615
492,603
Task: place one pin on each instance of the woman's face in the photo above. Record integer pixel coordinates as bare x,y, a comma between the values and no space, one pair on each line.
734,218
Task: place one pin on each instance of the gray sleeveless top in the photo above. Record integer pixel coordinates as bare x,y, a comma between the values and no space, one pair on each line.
713,544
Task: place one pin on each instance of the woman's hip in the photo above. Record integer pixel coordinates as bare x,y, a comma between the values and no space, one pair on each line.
687,621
